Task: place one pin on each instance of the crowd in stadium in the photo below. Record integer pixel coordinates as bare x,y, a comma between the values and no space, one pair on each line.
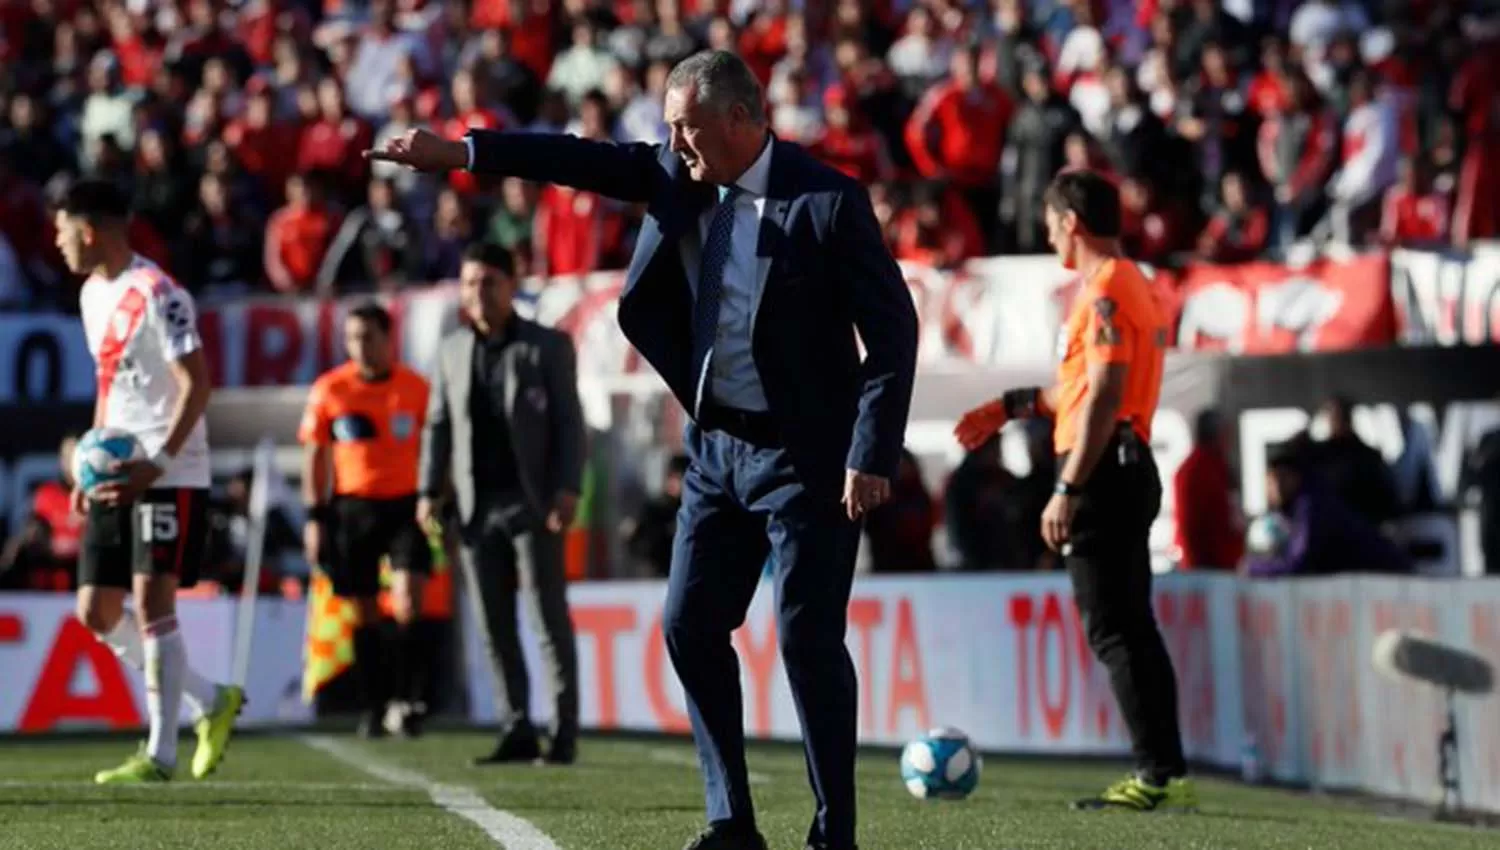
239,126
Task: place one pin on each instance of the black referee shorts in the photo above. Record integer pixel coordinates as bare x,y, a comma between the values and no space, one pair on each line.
165,532
362,532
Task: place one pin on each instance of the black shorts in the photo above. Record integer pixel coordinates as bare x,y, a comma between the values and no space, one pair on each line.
164,533
365,530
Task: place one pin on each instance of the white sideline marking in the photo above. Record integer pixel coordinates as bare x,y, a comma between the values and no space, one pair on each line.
662,755
507,830
210,785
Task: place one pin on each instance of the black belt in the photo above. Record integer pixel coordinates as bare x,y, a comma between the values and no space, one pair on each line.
757,427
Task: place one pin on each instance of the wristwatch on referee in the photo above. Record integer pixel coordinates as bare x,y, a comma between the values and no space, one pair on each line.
1063,488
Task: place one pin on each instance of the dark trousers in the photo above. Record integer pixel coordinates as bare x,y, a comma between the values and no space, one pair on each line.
1109,562
506,551
740,503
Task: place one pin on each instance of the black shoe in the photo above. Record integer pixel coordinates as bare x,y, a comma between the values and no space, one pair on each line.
410,724
562,751
511,749
727,837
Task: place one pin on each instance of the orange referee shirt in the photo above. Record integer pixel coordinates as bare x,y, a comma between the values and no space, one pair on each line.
374,427
1115,319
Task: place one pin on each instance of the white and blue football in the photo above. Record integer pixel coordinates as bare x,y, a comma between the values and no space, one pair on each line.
942,765
97,451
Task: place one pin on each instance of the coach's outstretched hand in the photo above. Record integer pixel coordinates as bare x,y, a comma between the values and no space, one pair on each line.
423,150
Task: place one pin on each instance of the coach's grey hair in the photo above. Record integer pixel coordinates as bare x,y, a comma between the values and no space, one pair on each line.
721,80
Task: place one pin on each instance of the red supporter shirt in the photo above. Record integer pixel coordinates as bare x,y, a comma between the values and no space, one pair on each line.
1207,532
861,154
969,130
574,232
1409,217
53,504
336,146
298,239
464,182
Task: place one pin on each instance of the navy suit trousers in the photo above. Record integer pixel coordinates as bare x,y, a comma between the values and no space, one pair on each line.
741,503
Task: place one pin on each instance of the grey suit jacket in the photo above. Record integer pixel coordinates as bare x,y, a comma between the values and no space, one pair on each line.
541,406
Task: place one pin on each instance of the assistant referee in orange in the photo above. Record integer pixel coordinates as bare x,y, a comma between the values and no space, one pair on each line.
362,438
1108,489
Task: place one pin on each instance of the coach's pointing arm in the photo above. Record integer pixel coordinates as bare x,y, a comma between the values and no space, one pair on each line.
625,172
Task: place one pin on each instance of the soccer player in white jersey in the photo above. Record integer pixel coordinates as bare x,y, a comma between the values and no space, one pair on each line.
146,534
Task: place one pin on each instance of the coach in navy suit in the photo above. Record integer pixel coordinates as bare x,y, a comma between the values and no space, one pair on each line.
754,269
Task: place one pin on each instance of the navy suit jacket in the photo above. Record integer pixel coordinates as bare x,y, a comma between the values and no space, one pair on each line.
830,274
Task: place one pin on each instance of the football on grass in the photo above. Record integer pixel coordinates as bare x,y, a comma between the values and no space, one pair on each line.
940,765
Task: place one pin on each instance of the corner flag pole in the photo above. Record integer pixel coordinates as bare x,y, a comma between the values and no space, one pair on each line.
255,547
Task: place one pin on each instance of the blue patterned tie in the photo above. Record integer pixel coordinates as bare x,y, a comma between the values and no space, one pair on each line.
710,283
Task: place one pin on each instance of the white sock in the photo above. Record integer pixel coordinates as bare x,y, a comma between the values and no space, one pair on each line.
166,662
125,640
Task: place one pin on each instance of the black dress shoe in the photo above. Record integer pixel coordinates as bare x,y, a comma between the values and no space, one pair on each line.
512,749
562,751
727,837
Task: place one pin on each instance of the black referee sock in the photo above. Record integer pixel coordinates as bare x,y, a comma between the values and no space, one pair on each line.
368,668
416,658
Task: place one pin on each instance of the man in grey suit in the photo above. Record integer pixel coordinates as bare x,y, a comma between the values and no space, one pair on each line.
504,419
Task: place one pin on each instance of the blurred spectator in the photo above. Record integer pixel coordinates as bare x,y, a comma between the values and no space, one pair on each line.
221,248
1476,211
375,73
298,235
642,120
334,142
957,133
581,68
32,141
1309,111
1481,474
938,229
1297,151
42,553
1037,135
1151,228
1324,535
648,536
1413,211
376,244
1239,230
1353,471
1370,151
921,56
1209,535
511,224
849,144
900,531
452,230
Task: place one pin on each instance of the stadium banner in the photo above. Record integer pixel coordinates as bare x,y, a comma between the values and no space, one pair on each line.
1447,297
994,311
1284,666
60,677
1269,308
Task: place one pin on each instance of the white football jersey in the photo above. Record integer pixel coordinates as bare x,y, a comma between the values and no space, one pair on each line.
137,325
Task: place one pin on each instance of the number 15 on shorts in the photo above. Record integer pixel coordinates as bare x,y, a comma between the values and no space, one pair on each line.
158,522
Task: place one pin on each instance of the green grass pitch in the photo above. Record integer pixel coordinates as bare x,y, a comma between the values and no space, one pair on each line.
281,793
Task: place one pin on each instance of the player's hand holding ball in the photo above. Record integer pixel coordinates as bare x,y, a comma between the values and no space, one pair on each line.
980,424
109,466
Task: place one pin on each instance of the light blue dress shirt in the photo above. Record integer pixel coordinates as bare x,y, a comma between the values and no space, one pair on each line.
736,383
